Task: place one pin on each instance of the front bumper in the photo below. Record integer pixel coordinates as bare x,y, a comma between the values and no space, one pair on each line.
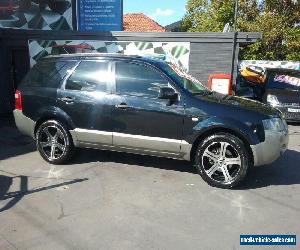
271,149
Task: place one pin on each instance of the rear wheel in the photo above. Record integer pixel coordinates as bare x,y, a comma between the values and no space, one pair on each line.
222,160
54,142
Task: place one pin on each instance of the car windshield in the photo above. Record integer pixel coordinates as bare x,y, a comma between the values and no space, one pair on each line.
187,81
284,80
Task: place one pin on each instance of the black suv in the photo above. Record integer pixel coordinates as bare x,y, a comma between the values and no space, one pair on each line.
145,106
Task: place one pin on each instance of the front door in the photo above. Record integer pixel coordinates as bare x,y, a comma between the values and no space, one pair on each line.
140,120
86,98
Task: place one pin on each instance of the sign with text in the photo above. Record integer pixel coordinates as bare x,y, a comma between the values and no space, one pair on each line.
99,15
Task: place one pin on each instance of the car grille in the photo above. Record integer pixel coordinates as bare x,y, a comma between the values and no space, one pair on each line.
291,116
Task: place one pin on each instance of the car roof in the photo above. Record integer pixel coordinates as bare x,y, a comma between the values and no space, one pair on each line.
84,56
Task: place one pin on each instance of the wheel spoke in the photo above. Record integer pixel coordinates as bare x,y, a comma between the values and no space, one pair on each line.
233,161
52,153
45,144
223,148
48,133
210,155
212,170
226,174
59,134
61,147
55,135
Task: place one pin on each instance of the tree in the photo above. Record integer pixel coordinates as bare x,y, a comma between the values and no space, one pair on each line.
276,19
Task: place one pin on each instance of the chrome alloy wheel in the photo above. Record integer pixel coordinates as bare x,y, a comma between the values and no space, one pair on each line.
52,142
221,162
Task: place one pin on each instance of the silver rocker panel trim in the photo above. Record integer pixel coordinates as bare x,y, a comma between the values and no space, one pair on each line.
138,144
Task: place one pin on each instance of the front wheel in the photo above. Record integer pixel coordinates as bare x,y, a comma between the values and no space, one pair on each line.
54,142
222,160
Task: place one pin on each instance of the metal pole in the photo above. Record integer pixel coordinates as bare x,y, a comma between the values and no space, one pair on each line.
235,14
234,39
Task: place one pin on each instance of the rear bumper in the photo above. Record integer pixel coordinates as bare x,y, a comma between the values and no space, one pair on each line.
24,124
271,149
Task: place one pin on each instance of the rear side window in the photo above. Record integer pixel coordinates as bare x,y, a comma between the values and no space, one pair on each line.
48,74
90,76
138,80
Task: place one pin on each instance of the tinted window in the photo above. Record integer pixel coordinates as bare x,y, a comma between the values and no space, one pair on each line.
187,81
284,80
48,74
89,76
139,80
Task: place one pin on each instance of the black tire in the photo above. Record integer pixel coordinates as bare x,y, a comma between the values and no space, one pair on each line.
214,155
54,142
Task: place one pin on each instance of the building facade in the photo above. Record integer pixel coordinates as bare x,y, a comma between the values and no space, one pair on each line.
30,30
201,54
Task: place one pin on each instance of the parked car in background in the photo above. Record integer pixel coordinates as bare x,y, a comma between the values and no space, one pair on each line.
282,91
277,87
145,106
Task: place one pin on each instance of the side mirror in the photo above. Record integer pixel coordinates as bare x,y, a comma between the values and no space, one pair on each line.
167,93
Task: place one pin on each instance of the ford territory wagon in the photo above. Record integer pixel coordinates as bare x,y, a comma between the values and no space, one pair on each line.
145,106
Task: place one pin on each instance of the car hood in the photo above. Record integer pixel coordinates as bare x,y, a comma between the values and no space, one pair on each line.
286,96
241,103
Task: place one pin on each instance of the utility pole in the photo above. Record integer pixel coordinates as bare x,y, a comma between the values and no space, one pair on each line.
234,39
236,6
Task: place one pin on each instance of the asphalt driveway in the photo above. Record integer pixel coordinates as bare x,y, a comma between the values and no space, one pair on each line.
106,200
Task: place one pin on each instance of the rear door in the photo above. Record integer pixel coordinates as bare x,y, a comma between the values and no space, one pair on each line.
39,87
85,97
140,119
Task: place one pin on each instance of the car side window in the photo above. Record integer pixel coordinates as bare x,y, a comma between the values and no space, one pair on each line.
48,74
89,76
138,80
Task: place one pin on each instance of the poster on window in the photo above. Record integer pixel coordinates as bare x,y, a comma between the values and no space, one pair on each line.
36,14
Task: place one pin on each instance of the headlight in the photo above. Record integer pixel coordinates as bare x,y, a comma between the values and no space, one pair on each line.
275,124
272,100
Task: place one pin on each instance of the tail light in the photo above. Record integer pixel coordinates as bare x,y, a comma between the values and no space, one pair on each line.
18,100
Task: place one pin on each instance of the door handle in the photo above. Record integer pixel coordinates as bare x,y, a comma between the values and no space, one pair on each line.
122,106
67,99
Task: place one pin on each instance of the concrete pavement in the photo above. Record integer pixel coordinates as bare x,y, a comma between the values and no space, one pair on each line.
107,200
